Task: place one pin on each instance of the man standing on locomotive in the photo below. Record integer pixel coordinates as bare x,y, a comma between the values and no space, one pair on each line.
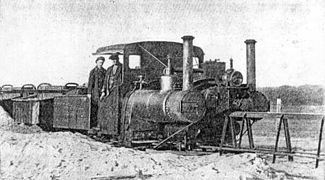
95,85
113,77
109,106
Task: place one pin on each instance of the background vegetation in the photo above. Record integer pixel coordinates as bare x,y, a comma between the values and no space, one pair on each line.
312,95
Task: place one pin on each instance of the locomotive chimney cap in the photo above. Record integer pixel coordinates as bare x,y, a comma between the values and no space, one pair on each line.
250,41
188,37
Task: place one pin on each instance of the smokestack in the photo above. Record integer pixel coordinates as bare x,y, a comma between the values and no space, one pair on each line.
250,63
187,62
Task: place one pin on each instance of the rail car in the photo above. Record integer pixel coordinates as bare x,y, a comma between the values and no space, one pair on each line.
168,96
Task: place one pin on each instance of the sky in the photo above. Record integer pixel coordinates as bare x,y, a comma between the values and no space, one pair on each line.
53,40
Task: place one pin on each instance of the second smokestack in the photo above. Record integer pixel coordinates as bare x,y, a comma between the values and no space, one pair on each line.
251,64
187,62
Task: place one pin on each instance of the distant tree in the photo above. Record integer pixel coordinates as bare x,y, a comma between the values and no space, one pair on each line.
291,95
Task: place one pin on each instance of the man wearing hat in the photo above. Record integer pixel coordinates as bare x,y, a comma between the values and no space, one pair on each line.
113,76
95,85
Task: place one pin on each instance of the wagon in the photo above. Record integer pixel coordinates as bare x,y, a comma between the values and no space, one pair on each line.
33,111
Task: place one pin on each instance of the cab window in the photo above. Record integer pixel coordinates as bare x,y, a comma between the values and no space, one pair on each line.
134,61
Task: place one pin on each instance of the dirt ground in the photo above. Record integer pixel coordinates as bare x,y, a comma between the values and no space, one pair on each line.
30,153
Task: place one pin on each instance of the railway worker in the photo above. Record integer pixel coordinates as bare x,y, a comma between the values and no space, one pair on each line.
113,77
95,85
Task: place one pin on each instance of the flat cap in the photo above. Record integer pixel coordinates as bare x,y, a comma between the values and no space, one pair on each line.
100,58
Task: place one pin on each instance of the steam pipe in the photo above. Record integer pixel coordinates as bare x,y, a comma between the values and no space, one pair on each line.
169,66
251,64
187,62
231,64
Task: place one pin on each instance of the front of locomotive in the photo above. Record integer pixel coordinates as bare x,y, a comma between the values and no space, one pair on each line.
157,114
228,94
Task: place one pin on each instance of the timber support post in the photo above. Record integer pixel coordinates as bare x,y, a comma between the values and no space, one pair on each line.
319,142
283,121
230,120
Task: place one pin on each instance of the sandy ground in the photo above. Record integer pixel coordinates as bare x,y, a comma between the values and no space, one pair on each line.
29,153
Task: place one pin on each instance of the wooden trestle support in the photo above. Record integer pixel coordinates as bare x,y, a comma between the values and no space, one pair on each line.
248,118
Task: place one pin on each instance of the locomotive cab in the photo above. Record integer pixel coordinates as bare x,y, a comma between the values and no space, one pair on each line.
149,59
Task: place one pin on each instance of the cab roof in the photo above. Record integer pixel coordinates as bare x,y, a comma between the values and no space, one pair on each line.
158,48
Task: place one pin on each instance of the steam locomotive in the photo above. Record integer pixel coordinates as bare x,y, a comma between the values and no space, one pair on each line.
168,96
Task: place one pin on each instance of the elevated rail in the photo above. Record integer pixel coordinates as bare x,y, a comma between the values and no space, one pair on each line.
258,115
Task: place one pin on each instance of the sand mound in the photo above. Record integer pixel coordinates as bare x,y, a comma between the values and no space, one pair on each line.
67,155
5,119
8,124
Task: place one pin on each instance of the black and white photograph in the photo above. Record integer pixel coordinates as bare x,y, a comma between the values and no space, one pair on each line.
162,90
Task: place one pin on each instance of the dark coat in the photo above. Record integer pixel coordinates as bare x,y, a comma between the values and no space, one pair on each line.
96,82
112,79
